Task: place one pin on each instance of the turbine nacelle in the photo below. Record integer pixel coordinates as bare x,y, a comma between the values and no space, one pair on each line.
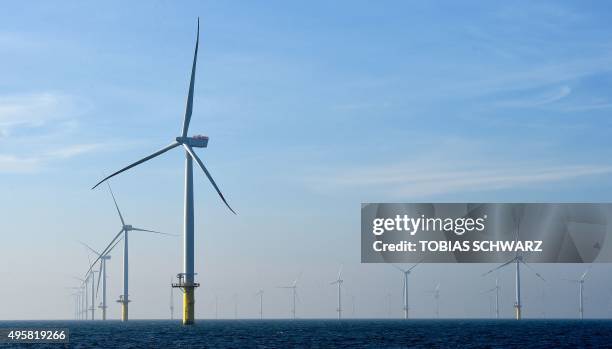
128,227
197,141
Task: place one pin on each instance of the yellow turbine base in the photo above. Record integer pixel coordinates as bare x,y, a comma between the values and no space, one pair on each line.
188,306
518,312
124,311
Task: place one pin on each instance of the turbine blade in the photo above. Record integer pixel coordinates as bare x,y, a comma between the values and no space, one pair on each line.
499,267
340,272
414,266
116,243
159,152
105,251
115,201
189,107
87,246
333,282
297,279
153,231
212,181
533,270
398,268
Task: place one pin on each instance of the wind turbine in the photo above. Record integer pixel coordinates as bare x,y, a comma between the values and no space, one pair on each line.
517,260
496,289
77,294
406,272
186,278
580,283
101,275
123,234
260,293
171,301
339,282
436,295
84,298
293,289
92,276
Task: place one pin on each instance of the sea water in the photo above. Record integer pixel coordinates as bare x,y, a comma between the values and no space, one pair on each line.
328,333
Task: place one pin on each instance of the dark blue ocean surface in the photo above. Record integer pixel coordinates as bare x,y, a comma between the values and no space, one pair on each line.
329,334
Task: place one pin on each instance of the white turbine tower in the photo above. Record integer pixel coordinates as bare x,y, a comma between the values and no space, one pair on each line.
436,295
406,272
101,275
171,301
339,282
78,293
518,260
186,278
123,234
91,276
293,289
84,296
580,283
260,293
496,290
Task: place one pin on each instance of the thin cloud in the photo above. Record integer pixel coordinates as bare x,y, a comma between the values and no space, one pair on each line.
405,181
542,99
34,111
10,163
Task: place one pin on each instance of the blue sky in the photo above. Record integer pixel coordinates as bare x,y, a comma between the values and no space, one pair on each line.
311,109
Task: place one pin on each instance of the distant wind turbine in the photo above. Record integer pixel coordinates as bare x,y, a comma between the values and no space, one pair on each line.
92,277
101,275
339,282
580,283
436,295
78,293
260,293
517,260
186,278
406,272
171,301
293,289
123,234
496,290
84,296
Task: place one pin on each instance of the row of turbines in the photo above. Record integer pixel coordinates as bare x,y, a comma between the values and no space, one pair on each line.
186,279
82,309
86,294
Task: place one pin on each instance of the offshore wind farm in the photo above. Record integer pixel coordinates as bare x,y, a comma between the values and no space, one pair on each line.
248,236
